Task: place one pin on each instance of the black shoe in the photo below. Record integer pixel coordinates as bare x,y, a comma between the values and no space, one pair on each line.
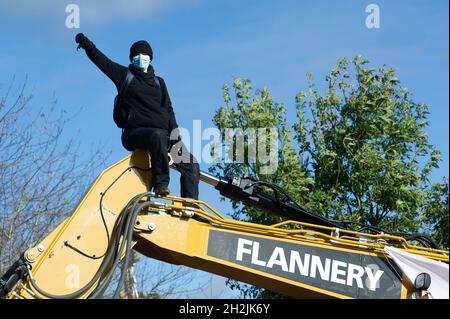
162,191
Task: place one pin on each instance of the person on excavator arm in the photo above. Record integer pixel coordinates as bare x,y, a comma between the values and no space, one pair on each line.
151,122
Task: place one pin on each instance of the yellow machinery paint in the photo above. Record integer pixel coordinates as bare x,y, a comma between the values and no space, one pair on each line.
179,231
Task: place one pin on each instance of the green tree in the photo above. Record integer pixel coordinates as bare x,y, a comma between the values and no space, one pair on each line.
436,210
358,151
258,110
366,143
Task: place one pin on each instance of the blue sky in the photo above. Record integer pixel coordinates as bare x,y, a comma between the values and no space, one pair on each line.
199,45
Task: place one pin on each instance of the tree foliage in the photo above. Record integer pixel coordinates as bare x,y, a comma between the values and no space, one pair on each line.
357,151
367,147
436,212
259,110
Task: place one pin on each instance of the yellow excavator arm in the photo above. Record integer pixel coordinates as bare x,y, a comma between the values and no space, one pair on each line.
119,213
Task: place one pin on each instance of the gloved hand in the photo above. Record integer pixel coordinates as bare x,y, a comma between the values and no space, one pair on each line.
82,40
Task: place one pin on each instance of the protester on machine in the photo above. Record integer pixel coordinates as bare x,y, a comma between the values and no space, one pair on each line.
149,121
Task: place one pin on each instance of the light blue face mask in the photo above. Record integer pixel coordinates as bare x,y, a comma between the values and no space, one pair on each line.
141,61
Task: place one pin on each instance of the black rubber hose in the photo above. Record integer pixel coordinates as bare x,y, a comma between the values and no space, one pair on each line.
99,290
98,293
99,273
134,215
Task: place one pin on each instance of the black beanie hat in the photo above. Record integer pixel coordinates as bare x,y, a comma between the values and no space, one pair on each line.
141,47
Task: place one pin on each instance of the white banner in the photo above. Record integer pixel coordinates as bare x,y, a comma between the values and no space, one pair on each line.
413,265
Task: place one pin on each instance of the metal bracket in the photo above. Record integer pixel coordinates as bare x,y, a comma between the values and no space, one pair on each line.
144,226
188,212
335,234
33,253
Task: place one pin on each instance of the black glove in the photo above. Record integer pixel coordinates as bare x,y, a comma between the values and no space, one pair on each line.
81,40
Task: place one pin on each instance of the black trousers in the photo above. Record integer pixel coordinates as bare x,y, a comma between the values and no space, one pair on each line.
157,141
189,169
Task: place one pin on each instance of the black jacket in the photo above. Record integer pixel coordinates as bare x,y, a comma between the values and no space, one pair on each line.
149,105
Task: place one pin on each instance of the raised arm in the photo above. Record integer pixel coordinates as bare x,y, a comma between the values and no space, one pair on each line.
113,70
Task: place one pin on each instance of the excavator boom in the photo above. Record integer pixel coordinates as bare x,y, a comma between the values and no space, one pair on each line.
294,257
